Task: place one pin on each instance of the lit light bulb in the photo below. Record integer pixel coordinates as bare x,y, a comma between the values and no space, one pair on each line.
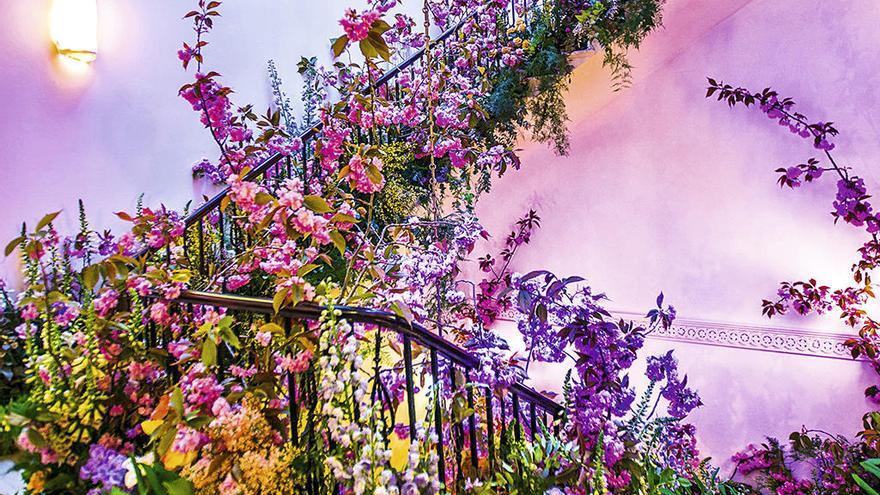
74,28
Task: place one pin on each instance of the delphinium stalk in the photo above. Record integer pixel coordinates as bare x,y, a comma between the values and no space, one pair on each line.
281,100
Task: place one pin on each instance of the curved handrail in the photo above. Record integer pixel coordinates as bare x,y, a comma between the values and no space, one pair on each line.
385,319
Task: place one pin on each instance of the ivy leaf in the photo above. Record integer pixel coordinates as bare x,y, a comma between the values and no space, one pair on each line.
46,220
317,204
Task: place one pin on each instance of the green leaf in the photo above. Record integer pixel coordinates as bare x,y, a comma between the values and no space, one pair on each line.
402,309
306,269
872,466
263,198
273,328
374,174
279,298
317,204
379,26
342,217
866,487
230,337
46,220
90,276
14,244
367,49
180,486
182,276
377,45
36,438
339,45
338,241
209,352
177,401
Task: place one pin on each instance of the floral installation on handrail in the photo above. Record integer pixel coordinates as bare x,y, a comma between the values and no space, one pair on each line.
835,463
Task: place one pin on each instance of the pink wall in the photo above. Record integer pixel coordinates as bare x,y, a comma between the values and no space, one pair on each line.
664,190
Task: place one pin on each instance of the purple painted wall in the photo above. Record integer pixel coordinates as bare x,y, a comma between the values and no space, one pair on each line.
113,130
662,190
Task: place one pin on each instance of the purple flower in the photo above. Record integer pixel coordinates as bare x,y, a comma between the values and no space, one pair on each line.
104,467
662,367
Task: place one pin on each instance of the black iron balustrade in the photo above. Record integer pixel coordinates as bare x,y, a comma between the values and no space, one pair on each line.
518,407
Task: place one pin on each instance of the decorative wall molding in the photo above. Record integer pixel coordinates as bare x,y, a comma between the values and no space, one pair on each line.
740,336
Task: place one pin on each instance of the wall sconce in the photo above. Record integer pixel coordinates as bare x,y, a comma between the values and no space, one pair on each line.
74,28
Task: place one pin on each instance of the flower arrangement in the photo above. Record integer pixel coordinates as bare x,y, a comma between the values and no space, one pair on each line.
128,389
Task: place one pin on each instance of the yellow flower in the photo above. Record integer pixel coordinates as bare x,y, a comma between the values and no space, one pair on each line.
37,482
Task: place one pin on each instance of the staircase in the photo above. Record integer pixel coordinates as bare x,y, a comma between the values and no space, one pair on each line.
470,445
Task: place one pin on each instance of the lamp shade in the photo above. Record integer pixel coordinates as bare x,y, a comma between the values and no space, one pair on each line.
74,28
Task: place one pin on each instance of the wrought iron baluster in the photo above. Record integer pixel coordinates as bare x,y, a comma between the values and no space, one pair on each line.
410,393
201,246
438,420
517,427
292,399
533,419
490,430
472,421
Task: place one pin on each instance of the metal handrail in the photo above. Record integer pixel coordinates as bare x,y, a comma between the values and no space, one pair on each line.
385,319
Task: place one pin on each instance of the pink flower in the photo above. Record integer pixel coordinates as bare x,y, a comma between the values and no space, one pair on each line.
159,313
65,313
263,338
29,312
189,440
106,302
240,133
359,171
235,282
357,27
290,194
297,364
140,285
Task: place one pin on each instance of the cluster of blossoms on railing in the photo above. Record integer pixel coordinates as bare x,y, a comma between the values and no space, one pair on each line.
836,464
